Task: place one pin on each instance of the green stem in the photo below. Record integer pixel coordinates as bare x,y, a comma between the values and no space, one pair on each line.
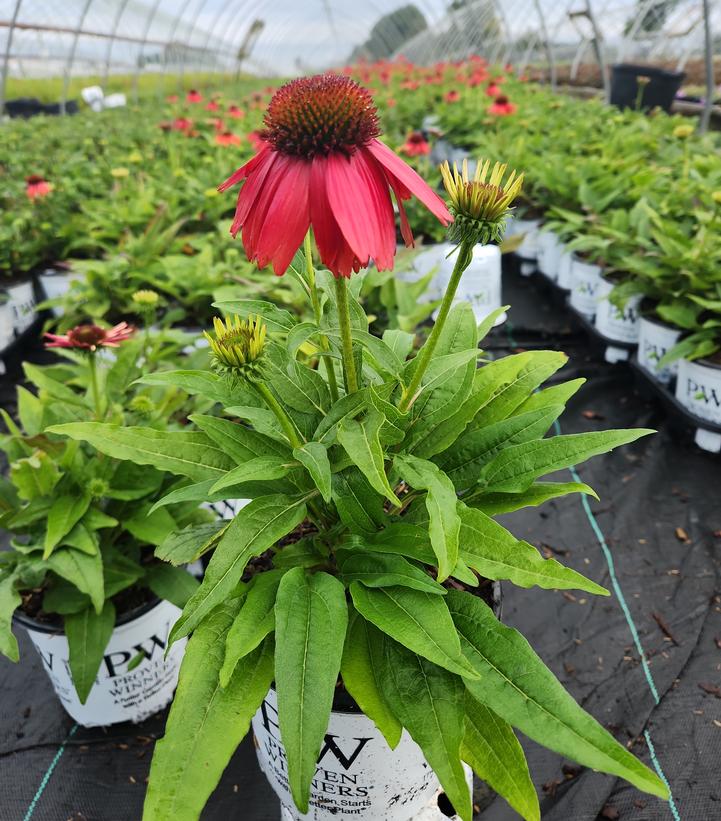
285,422
341,294
94,385
315,300
424,357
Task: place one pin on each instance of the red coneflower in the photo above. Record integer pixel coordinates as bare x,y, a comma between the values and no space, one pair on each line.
452,96
416,145
493,90
321,164
91,337
256,140
391,102
212,106
227,138
235,112
172,98
193,96
181,124
37,187
502,106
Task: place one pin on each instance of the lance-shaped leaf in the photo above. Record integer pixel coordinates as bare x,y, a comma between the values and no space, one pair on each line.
363,656
65,513
172,583
206,722
417,620
492,551
259,469
516,467
493,504
255,620
444,524
257,527
277,319
379,570
240,442
9,602
196,383
518,687
186,545
361,442
492,751
360,508
88,634
429,703
82,570
185,453
555,395
311,618
314,458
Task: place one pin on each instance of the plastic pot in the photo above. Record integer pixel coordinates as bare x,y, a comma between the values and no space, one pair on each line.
118,694
698,388
565,264
21,305
480,284
659,92
56,283
655,339
550,249
620,325
527,251
585,281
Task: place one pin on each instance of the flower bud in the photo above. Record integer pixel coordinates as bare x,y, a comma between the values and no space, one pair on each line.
238,345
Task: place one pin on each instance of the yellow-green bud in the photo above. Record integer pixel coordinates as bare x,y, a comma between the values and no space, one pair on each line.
237,346
146,298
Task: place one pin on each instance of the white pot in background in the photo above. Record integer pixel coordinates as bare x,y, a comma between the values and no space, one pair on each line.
565,263
585,282
549,254
21,304
56,283
227,508
698,389
7,333
357,775
480,284
655,340
118,694
528,249
621,325
427,259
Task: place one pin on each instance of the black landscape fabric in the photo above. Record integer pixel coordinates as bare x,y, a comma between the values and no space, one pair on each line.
660,517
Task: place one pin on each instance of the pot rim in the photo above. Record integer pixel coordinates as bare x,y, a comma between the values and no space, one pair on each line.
704,363
576,257
29,623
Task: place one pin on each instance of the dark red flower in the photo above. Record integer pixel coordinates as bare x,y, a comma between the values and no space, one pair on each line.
181,124
416,145
91,337
321,164
502,106
452,96
193,96
37,187
493,90
235,112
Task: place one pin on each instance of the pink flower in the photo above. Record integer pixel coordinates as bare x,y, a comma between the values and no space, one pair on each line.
193,96
236,113
502,107
321,165
181,124
37,187
493,90
415,145
172,98
227,138
212,106
452,96
91,337
256,140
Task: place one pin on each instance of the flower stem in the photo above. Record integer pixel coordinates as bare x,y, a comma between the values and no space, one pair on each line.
351,379
324,344
94,385
465,254
285,422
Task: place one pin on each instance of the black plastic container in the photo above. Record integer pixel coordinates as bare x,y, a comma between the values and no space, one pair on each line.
659,92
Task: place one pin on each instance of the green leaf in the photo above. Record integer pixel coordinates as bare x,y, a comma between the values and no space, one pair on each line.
417,620
486,324
186,453
56,390
518,687
444,524
348,405
254,622
34,476
82,539
257,527
88,634
64,514
174,584
311,618
196,492
378,570
493,504
206,722
30,411
64,598
464,461
82,570
492,751
196,383
186,545
516,467
259,469
400,342
9,602
153,528
360,670
494,553
361,442
314,458
239,441
278,320
428,701
360,508
555,395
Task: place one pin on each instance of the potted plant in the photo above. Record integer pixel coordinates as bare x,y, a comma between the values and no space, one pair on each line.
80,576
348,610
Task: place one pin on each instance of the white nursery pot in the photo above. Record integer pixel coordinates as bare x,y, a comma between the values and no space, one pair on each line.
698,389
585,281
480,284
21,304
56,284
427,259
118,694
358,775
655,339
528,249
621,325
565,264
549,254
6,326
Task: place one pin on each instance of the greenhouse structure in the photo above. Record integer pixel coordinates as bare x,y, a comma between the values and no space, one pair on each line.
360,410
